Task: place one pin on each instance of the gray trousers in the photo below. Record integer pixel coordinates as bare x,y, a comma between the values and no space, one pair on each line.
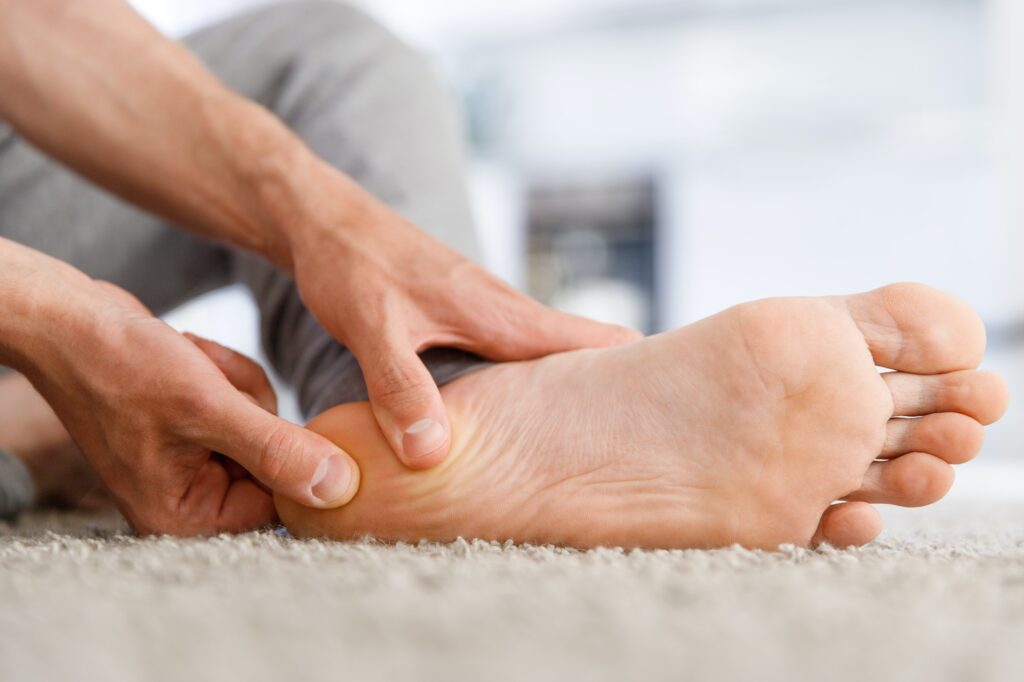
358,97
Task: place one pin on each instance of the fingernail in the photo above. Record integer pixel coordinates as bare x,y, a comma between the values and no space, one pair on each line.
331,479
422,438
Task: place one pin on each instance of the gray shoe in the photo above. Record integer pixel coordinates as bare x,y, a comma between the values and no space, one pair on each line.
17,493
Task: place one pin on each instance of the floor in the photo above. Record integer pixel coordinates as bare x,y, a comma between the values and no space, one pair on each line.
939,597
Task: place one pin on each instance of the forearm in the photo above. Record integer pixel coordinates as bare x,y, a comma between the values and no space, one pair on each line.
95,86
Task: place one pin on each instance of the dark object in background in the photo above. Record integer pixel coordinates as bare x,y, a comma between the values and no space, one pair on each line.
591,249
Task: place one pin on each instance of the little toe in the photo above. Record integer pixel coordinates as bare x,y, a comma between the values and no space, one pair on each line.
950,436
848,523
980,395
915,328
913,480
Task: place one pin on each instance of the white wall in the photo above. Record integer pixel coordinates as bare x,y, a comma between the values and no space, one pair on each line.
803,151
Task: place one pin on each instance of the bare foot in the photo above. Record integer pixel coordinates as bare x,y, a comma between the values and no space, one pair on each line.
742,428
31,431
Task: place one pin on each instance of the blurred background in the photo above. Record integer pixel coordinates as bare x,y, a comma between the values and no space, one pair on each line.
650,162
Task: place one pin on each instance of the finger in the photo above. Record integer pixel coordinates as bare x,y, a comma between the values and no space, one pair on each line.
218,503
289,459
269,407
407,405
246,507
236,470
538,330
243,372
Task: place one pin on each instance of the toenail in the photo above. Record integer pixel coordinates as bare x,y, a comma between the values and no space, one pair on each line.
423,438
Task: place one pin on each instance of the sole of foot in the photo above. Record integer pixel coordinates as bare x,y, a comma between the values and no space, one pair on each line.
768,423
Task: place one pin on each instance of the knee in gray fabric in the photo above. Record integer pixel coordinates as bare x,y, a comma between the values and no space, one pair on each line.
328,14
323,23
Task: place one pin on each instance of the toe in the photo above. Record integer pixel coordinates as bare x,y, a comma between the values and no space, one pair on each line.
848,523
980,395
950,436
913,480
915,328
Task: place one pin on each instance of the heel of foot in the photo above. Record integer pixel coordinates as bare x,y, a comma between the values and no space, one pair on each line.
393,502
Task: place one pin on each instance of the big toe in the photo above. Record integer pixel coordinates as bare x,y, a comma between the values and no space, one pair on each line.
916,328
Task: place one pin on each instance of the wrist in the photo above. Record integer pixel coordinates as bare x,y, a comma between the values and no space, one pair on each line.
257,159
278,195
41,298
303,202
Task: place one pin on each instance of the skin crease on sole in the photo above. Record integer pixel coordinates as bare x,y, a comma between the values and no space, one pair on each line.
768,423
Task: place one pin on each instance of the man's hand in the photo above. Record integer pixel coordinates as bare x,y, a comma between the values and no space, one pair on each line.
165,420
389,290
230,170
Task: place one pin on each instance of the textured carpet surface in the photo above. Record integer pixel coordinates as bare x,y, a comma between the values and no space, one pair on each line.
943,601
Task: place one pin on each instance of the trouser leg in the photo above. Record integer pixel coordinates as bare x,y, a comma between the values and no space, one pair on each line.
372,107
50,209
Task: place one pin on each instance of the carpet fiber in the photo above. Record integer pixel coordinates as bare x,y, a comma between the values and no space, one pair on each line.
939,602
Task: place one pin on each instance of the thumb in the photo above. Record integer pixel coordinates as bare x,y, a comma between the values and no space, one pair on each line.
407,405
285,457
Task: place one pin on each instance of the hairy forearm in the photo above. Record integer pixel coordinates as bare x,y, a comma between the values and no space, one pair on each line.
95,86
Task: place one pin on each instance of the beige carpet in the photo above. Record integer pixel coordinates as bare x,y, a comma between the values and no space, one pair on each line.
941,603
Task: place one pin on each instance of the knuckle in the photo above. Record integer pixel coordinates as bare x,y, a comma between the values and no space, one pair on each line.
200,403
397,386
276,458
193,410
